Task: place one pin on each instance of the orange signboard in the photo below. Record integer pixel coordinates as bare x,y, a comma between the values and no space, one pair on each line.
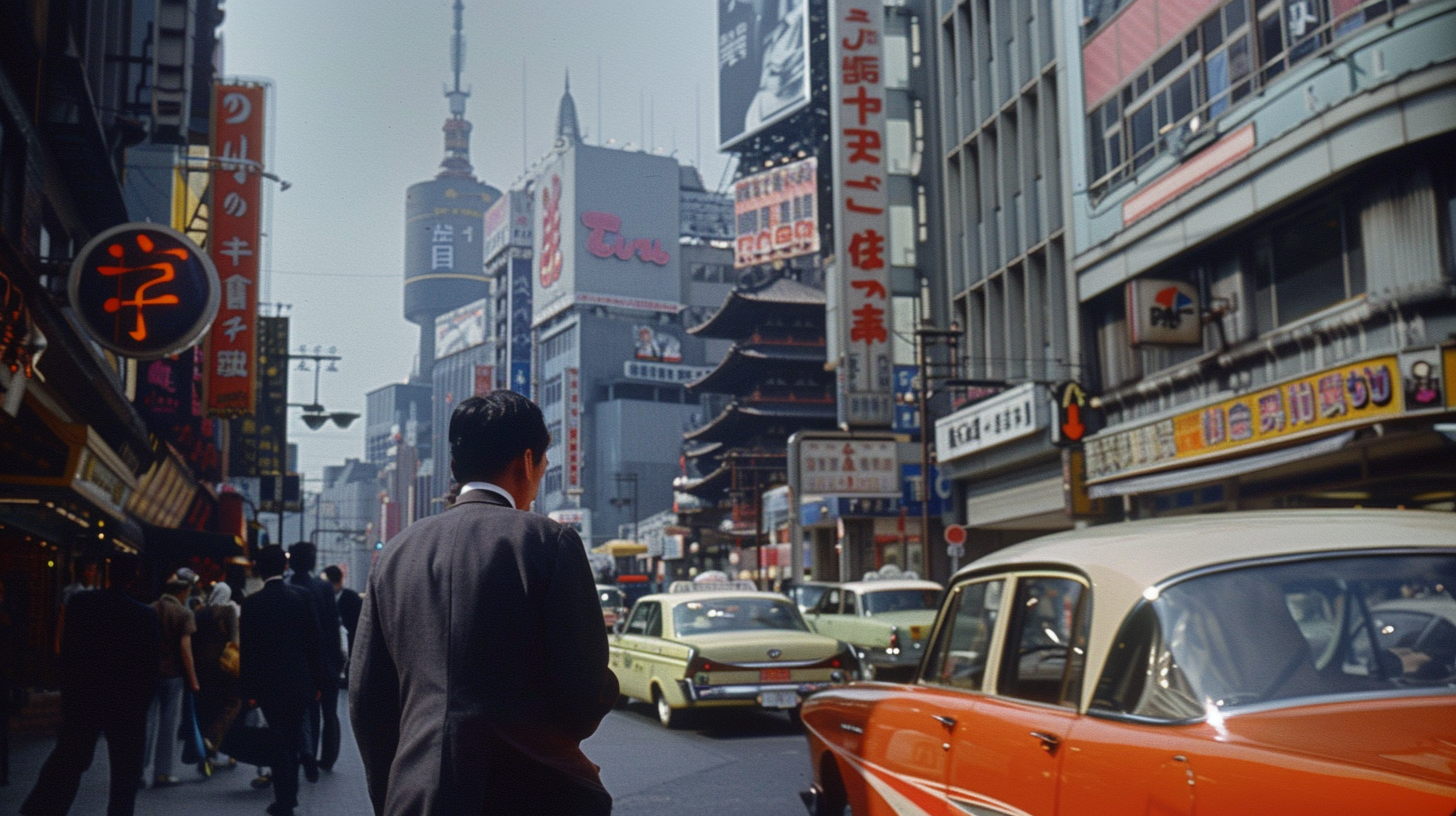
1349,395
230,378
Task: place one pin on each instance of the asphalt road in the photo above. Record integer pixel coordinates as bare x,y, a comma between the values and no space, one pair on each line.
734,764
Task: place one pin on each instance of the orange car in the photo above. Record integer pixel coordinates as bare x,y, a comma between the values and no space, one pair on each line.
1282,662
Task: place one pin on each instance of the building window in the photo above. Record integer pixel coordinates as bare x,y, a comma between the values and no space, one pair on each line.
1309,262
1233,52
551,483
551,392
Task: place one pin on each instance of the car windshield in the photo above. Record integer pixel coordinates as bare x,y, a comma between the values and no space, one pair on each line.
807,595
1335,626
900,600
735,615
611,598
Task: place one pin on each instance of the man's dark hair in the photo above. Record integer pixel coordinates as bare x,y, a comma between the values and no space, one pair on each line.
333,574
271,561
303,556
488,432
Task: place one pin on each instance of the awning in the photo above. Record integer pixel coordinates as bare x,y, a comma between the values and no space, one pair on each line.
620,548
1183,477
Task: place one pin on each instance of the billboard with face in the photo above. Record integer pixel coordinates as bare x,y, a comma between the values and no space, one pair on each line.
606,232
763,64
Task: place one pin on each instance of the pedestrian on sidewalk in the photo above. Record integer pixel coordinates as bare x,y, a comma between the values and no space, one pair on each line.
110,653
348,601
444,725
215,647
177,672
323,717
281,672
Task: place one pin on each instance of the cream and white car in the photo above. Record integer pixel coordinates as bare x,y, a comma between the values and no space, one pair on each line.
704,646
887,619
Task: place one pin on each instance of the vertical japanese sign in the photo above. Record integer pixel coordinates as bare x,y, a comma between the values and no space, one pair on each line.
573,429
259,443
861,203
237,150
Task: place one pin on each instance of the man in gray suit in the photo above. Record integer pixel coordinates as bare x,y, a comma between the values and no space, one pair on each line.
480,662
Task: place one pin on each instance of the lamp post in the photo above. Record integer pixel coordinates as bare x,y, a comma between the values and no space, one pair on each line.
314,414
619,501
926,336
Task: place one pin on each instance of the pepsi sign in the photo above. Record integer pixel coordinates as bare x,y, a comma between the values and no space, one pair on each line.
1163,312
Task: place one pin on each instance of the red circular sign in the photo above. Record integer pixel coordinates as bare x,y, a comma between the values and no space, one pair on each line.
955,534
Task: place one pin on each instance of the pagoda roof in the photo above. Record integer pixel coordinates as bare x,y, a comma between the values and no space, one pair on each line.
743,308
745,365
739,421
710,485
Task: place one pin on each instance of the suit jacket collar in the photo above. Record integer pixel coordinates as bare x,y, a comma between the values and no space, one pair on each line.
481,497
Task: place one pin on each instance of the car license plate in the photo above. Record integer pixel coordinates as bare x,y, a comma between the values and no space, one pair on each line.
773,675
779,699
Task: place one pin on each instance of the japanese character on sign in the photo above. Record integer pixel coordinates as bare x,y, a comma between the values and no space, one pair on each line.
235,160
860,69
866,250
139,300
1271,412
442,233
233,327
232,363
854,206
872,288
1332,395
235,289
237,248
865,103
869,325
866,183
864,145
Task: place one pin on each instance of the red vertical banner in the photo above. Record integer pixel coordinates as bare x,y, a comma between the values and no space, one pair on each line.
230,377
484,379
861,212
573,429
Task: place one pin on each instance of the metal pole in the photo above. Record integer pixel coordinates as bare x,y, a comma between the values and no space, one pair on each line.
921,359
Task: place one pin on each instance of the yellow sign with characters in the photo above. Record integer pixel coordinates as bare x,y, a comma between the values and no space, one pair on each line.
1354,394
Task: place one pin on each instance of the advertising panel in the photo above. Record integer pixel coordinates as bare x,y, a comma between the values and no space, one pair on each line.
460,329
1354,394
520,325
484,379
168,396
143,290
861,292
663,372
573,429
608,232
776,214
1163,312
258,445
231,372
993,421
849,467
763,65
577,518
498,224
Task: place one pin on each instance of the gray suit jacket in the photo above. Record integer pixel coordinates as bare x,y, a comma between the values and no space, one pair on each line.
479,665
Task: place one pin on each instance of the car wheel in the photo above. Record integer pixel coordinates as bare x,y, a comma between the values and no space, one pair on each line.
666,714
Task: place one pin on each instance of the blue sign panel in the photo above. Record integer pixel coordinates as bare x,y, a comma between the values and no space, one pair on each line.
939,494
907,404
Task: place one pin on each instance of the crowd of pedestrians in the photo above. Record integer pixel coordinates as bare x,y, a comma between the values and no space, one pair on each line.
442,727
192,678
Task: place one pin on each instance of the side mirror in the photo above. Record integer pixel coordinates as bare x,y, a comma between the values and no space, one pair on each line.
619,626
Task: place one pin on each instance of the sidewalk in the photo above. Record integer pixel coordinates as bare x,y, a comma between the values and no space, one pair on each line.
227,793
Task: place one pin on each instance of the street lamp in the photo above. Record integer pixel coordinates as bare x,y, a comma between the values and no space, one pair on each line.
314,414
621,501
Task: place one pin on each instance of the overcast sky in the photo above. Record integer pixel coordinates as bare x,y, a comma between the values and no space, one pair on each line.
356,117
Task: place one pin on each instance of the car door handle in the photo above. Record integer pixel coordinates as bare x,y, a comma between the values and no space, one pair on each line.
948,722
1050,742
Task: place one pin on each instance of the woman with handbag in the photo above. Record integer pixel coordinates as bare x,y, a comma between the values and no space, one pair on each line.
216,647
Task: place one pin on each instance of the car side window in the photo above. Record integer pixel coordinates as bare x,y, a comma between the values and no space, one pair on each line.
643,616
1042,660
958,658
829,604
851,605
654,621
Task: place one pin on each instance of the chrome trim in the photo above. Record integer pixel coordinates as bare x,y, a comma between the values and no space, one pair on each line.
853,729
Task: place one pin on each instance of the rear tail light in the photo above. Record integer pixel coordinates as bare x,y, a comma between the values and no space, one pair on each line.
698,668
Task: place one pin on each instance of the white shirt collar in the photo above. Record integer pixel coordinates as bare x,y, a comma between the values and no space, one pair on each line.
494,488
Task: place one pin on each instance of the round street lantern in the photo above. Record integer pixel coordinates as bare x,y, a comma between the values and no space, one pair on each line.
144,290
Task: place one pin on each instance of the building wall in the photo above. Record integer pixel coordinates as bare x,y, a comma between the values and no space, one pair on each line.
1310,207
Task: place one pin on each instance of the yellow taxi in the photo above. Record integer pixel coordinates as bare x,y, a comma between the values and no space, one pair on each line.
722,645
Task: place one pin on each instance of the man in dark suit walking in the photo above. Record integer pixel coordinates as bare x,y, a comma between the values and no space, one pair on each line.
280,668
480,662
110,651
323,749
348,600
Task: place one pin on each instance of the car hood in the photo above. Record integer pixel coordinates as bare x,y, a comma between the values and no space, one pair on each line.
1409,736
753,647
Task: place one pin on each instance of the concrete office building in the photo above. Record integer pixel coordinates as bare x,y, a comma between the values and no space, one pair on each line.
1002,97
1264,201
613,262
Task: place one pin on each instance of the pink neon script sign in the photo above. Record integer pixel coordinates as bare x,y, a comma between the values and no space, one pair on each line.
606,240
